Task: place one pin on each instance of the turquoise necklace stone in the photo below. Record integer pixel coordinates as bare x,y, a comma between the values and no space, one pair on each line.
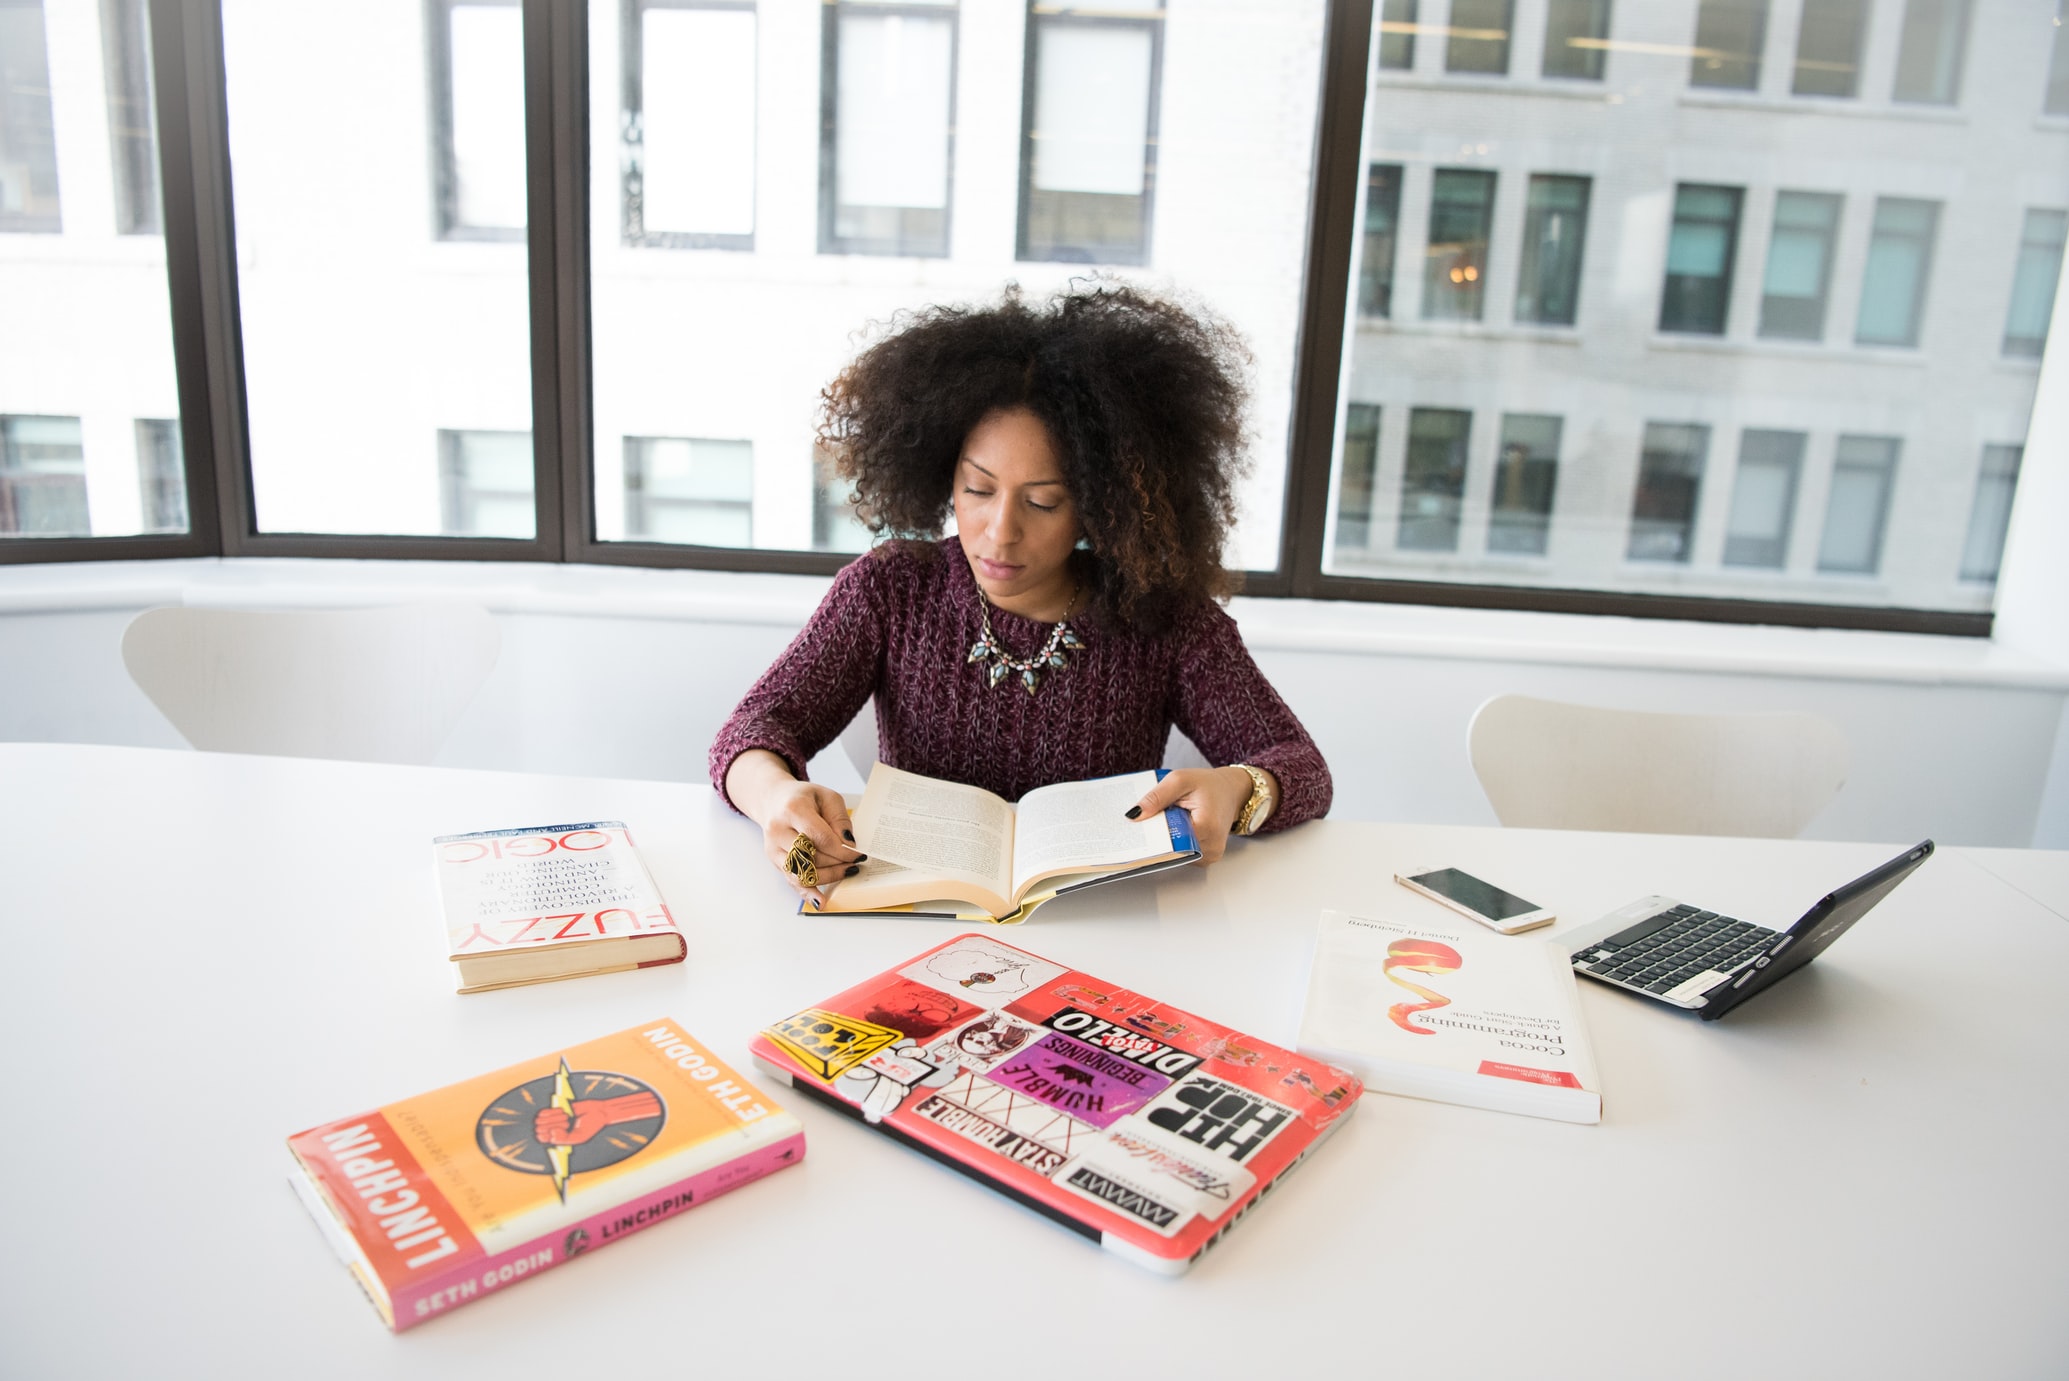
1003,663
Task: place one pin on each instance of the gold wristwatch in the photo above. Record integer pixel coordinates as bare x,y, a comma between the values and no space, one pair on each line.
1258,807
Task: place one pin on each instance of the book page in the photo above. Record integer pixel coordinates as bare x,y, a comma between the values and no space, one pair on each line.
938,828
1084,825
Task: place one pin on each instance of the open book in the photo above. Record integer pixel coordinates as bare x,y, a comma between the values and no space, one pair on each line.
937,848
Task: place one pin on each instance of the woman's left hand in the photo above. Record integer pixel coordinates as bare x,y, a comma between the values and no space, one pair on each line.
1213,796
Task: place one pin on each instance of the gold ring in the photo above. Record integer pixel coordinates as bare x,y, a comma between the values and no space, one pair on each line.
802,862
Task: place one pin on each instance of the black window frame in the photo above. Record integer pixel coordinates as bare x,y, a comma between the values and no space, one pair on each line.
198,211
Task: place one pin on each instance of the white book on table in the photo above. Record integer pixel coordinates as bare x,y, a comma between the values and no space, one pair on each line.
1428,1009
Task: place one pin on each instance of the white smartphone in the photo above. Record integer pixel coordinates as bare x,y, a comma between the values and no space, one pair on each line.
1475,897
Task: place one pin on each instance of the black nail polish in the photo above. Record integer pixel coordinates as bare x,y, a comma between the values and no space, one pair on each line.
848,835
862,858
1134,812
851,872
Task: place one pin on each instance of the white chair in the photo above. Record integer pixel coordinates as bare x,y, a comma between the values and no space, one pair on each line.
1548,765
371,685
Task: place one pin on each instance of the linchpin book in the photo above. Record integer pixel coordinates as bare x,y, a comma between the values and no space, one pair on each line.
550,901
1431,1008
451,1195
1143,1127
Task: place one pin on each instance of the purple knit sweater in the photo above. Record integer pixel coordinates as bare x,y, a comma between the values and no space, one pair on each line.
898,623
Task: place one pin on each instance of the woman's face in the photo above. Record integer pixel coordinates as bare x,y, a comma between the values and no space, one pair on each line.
1015,516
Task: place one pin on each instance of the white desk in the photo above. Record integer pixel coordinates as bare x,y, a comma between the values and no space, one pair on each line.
210,952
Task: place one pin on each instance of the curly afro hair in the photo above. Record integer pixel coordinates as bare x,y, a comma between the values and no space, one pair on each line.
1143,399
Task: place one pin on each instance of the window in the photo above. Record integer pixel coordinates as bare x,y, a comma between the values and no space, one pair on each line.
2056,101
371,327
1864,472
1433,482
1090,135
161,475
485,484
42,478
132,121
1576,38
478,69
1930,50
2034,281
1828,48
1479,40
1670,480
688,134
1359,478
1376,257
1729,37
1519,520
1799,265
1699,259
1397,35
28,136
1763,499
887,128
1555,228
689,490
1990,518
1455,270
1900,252
834,524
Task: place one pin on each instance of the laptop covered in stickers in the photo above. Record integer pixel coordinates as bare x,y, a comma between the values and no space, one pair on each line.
1140,1126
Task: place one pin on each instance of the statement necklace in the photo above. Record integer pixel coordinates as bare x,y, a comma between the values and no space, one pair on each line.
1050,658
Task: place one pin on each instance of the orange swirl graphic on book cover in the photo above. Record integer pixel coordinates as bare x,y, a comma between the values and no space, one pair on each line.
1419,956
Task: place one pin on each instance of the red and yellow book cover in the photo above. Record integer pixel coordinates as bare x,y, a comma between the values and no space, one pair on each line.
1144,1127
455,1193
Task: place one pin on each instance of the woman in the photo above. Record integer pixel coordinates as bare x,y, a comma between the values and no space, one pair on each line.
1088,448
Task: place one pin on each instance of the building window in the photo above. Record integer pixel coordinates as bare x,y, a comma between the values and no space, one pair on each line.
1799,265
1089,136
1519,520
477,66
1455,271
887,128
42,477
1670,480
1433,482
1991,516
1357,482
689,490
1863,475
1900,252
1555,229
2057,99
1828,48
1729,37
1699,259
161,475
1930,51
1376,256
1576,39
132,120
834,524
1397,35
485,484
28,136
2033,282
688,85
1763,499
1479,39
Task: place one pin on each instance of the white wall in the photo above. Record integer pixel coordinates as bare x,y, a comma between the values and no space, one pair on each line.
630,672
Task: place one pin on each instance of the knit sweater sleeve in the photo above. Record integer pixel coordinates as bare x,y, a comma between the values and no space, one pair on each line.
822,680
1232,714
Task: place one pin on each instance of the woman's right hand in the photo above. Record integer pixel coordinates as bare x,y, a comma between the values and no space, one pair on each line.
760,784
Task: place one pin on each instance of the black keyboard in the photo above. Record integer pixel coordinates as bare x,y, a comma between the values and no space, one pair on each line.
1666,949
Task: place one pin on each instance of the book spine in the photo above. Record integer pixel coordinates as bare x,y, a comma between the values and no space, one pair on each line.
485,1275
